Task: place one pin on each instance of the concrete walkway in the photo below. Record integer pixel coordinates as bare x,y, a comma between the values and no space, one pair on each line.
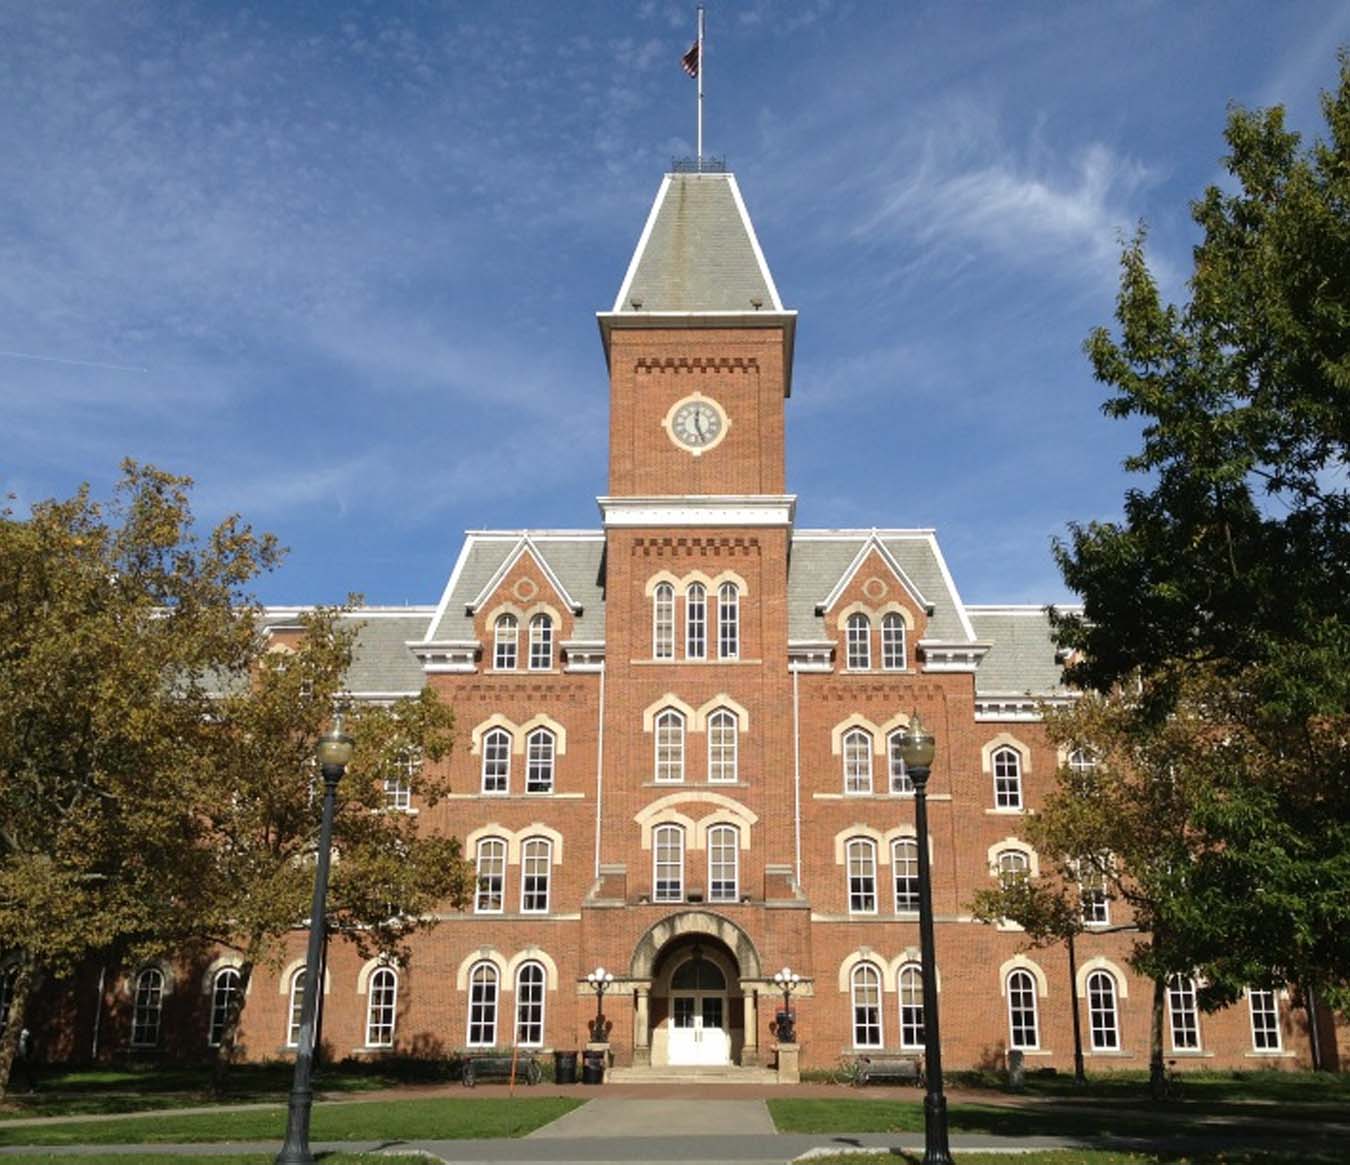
603,1118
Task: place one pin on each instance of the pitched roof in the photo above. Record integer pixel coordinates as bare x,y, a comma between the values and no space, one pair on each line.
382,665
1021,656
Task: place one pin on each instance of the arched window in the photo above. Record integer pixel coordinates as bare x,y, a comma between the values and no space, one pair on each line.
696,622
536,858
909,987
381,1005
530,983
892,642
398,788
698,974
857,761
1013,866
669,746
496,761
491,876
1103,1021
668,864
1183,1014
505,643
8,977
297,1005
482,1006
148,1008
1007,779
1265,1009
224,992
1082,761
1022,1027
859,636
541,643
728,621
862,876
539,750
1092,894
723,855
663,622
895,751
866,982
905,867
723,729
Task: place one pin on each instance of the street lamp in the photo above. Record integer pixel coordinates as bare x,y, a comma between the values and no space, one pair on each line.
333,753
600,980
788,981
916,750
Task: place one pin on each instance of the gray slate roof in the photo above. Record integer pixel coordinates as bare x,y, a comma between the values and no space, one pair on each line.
381,661
700,254
1021,656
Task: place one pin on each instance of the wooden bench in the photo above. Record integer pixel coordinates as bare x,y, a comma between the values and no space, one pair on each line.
499,1068
901,1069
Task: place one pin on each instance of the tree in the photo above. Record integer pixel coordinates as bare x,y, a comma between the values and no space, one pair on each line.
261,811
110,618
1219,602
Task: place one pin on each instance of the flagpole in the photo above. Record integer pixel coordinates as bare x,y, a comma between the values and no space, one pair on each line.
700,86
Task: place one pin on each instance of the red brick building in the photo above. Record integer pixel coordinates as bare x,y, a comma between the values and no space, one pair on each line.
675,755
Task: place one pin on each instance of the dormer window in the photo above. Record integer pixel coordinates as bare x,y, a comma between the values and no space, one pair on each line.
859,635
541,643
505,642
893,642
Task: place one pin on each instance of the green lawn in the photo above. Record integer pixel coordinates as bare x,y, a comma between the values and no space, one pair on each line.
1089,1157
439,1119
1271,1084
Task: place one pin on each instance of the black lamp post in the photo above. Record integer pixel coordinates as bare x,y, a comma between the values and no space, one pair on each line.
333,754
916,749
788,981
600,980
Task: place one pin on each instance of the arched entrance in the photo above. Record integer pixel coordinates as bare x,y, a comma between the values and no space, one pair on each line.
699,1023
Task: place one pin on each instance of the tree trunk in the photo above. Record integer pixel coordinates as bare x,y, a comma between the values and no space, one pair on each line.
18,1015
220,1067
1157,1081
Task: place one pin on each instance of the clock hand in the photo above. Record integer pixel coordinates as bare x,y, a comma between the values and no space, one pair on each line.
698,423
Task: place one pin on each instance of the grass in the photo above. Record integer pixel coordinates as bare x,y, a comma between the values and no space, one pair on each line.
1258,1084
1089,1157
432,1119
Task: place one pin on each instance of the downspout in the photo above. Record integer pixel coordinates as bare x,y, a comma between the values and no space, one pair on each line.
796,778
98,1011
599,770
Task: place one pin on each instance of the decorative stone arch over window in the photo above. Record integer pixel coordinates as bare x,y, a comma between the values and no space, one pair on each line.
664,812
496,720
737,816
370,967
1020,962
859,608
871,957
669,700
472,959
909,957
852,832
1102,963
504,608
728,576
531,954
170,980
663,576
288,973
643,962
213,968
906,615
905,832
857,720
514,839
541,720
1015,845
699,722
1005,740
896,722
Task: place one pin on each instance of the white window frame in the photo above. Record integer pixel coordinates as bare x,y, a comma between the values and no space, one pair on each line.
856,752
147,1009
726,855
901,783
696,622
909,998
489,1004
893,646
663,621
860,845
1273,1011
901,849
496,766
1011,863
858,642
530,859
541,643
668,730
1007,777
728,621
1183,1014
381,1007
506,643
486,856
673,885
724,729
221,995
1021,990
398,790
1103,1004
533,995
295,1007
871,973
541,761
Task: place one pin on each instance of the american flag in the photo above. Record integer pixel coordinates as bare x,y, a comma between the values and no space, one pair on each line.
689,62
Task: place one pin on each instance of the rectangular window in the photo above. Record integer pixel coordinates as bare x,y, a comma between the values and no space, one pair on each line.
862,877
1181,1009
723,841
668,859
696,622
535,860
1265,1009
491,876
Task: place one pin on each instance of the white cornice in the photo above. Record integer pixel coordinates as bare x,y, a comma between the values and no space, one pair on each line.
948,656
446,655
699,510
1022,707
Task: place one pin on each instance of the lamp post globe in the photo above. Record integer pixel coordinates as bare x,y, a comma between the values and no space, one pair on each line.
787,980
599,979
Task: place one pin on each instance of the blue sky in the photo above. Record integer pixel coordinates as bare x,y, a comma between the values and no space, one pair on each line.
339,261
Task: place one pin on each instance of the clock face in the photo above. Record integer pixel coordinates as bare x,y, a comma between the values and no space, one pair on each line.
697,424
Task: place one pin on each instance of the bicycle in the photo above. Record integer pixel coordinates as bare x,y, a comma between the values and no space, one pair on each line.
1173,1086
848,1072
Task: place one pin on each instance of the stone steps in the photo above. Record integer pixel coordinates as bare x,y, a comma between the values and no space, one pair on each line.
728,1074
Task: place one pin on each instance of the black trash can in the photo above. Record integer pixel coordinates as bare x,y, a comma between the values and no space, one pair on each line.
593,1068
564,1067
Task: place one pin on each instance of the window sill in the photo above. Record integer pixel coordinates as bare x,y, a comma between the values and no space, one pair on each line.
878,797
514,797
695,784
694,662
1003,812
1110,1054
1271,1054
1190,1054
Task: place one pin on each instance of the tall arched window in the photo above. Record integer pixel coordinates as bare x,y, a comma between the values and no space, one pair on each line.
669,746
905,868
1082,761
297,1005
530,983
857,761
723,855
859,636
1103,1021
861,854
505,643
496,761
224,992
1183,1013
482,1006
728,621
147,1008
381,1007
696,622
539,752
1013,866
895,752
491,876
398,788
1007,779
723,730
866,992
536,863
668,864
909,986
1022,1027
541,643
663,622
892,642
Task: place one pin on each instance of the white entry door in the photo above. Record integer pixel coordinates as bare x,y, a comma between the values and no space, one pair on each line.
698,1033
